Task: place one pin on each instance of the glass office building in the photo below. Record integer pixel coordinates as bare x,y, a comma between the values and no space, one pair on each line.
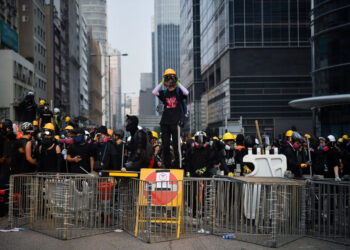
255,58
167,42
330,27
190,60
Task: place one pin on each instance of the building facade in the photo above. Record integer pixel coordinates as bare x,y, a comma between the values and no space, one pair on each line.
17,79
146,97
84,54
330,31
116,88
167,40
95,76
95,13
32,41
190,60
255,58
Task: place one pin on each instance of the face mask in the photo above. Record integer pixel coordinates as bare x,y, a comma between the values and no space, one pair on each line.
325,149
227,147
296,145
79,139
47,142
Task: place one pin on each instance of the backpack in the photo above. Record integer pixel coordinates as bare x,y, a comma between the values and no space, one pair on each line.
141,137
183,105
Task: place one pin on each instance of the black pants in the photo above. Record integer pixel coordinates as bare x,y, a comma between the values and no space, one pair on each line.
170,131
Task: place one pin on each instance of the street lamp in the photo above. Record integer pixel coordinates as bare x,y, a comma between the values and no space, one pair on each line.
109,81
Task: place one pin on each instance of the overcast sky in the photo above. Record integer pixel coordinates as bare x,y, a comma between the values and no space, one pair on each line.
129,31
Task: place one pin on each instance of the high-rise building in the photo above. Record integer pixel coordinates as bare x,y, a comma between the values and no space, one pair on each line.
330,31
255,58
95,76
84,55
167,42
95,13
154,83
190,60
32,41
146,96
116,88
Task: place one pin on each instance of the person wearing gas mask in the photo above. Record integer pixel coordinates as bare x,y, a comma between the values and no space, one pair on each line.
198,162
228,140
293,155
333,159
46,116
50,157
28,108
173,115
103,151
218,155
139,148
30,163
319,159
80,154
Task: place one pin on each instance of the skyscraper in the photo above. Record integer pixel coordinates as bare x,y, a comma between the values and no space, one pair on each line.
95,13
190,60
330,31
146,96
115,80
167,42
255,58
32,41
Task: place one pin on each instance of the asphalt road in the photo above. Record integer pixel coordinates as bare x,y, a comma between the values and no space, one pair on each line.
32,240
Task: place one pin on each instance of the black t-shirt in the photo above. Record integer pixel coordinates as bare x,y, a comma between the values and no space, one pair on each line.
172,110
85,151
46,116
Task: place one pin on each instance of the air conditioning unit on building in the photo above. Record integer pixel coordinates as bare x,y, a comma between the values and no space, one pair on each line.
25,19
24,7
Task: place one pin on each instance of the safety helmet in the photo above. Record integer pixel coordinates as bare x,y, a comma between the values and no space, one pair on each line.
200,137
57,138
307,136
69,127
340,140
35,123
110,132
49,126
169,72
321,138
56,110
234,137
345,137
155,134
289,133
228,136
30,93
42,102
331,138
27,127
67,119
215,138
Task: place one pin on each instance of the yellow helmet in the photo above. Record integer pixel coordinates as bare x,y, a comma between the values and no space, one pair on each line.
169,72
57,138
42,102
307,136
110,132
340,140
67,119
49,126
69,127
345,137
228,136
155,134
215,138
35,123
234,137
289,133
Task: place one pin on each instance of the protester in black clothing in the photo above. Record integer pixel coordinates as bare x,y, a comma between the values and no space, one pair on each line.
28,108
172,117
319,158
104,151
291,151
333,159
46,116
119,146
240,151
30,165
80,154
50,154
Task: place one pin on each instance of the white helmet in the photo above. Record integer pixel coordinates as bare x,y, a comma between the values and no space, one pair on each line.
331,138
56,110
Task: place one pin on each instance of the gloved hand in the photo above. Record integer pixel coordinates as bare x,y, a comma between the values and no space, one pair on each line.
177,83
188,174
303,165
337,178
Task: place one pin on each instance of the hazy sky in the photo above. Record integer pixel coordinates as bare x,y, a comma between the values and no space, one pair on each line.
129,31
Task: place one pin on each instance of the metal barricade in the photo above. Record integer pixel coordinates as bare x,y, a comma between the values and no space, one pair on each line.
328,211
65,207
